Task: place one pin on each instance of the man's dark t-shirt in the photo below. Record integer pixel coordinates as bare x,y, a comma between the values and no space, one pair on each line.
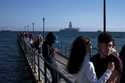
101,64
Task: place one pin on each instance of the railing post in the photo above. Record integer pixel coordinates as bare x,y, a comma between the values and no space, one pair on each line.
61,44
38,67
65,51
45,72
34,68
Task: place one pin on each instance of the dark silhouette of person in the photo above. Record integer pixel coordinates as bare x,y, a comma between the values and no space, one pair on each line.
48,48
47,52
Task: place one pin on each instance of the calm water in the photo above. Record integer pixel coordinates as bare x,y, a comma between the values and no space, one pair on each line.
65,39
13,68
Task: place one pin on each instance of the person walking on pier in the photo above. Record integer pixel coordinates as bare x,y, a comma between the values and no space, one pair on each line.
48,54
81,67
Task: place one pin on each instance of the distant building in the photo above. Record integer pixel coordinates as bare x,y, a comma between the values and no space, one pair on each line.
70,28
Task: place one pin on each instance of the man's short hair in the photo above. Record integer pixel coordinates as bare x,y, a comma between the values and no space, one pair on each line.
104,37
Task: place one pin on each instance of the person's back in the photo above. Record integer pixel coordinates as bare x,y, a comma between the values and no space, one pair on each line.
47,48
47,52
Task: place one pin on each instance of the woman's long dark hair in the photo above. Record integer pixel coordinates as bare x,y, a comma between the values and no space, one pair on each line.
122,57
122,53
78,51
116,74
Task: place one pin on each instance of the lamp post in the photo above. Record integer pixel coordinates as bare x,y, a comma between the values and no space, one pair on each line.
104,15
33,26
28,28
43,27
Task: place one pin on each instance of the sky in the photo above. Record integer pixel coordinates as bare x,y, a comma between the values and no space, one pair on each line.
84,14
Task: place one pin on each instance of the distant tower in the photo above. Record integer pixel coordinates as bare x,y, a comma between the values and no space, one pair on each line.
70,24
33,25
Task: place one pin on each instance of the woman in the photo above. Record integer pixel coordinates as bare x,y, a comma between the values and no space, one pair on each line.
80,65
116,74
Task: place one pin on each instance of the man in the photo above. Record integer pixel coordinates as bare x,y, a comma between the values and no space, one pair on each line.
48,52
104,56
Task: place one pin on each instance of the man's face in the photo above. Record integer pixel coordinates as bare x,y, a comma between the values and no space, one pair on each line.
104,48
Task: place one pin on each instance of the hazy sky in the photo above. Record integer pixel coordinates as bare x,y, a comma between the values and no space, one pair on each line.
85,14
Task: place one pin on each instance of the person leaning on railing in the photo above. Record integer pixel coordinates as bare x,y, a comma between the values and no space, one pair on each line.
47,53
81,67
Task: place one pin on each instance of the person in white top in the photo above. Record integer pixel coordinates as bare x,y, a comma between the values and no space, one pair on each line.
81,67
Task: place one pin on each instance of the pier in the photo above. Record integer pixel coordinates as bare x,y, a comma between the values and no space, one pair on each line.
37,65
